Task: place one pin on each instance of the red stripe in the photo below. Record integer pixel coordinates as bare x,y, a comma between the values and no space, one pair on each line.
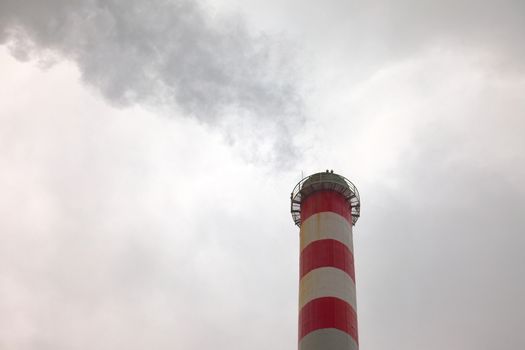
328,312
325,200
327,253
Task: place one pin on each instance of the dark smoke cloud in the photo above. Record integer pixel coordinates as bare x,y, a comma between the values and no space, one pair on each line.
168,54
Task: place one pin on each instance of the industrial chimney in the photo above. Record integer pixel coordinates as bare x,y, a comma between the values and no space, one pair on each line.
325,206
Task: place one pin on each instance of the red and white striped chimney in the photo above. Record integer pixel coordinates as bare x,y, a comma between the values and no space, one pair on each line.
326,206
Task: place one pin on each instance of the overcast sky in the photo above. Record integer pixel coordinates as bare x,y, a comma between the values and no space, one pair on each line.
148,150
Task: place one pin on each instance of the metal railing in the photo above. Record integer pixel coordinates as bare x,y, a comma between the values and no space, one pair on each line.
325,181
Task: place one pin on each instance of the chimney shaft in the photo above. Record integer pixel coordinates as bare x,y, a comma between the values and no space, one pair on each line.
325,206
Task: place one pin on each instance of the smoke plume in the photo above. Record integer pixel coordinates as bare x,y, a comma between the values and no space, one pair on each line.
172,55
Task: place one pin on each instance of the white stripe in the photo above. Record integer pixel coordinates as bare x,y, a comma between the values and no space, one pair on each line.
327,282
328,339
326,225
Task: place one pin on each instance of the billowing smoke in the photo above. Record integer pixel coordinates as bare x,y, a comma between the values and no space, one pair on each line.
172,55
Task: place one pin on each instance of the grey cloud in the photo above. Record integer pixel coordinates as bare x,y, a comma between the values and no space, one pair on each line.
409,24
104,246
169,55
116,239
369,34
443,250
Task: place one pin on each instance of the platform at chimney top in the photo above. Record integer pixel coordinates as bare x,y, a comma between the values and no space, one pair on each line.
324,181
